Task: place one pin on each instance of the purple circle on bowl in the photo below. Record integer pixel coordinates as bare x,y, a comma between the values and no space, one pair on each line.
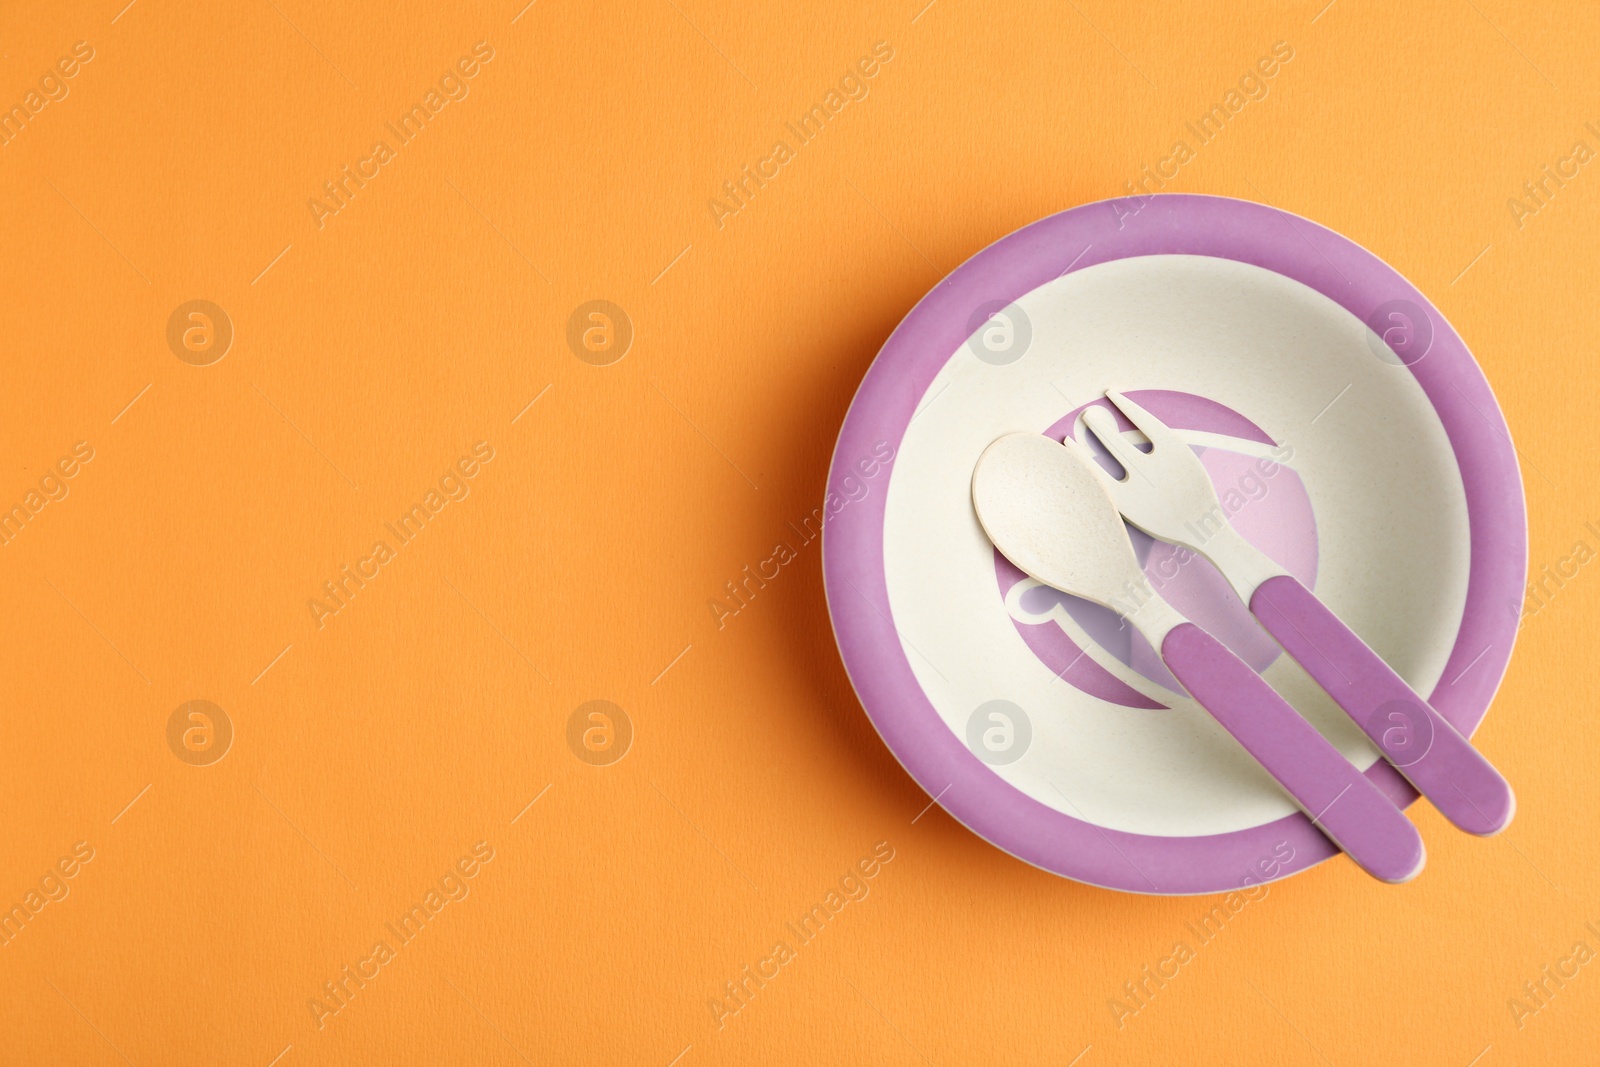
1279,523
936,329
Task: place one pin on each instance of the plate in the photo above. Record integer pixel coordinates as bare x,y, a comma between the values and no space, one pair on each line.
1350,435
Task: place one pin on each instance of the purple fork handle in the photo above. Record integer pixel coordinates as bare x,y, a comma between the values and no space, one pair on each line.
1414,737
1342,802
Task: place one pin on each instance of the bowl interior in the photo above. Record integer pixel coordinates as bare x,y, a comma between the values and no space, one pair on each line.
1330,458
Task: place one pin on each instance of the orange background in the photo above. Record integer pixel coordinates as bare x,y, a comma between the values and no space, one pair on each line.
372,352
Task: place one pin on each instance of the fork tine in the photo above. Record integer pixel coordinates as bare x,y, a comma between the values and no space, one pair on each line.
1153,428
1104,427
1085,457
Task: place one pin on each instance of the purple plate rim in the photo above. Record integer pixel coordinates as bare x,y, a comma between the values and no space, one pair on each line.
1072,240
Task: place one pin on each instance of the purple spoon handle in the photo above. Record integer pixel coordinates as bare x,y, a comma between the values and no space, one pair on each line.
1342,802
1414,737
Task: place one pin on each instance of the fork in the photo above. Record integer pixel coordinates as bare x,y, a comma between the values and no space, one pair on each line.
1167,493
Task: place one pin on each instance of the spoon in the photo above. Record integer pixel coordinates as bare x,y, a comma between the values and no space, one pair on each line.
1045,509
